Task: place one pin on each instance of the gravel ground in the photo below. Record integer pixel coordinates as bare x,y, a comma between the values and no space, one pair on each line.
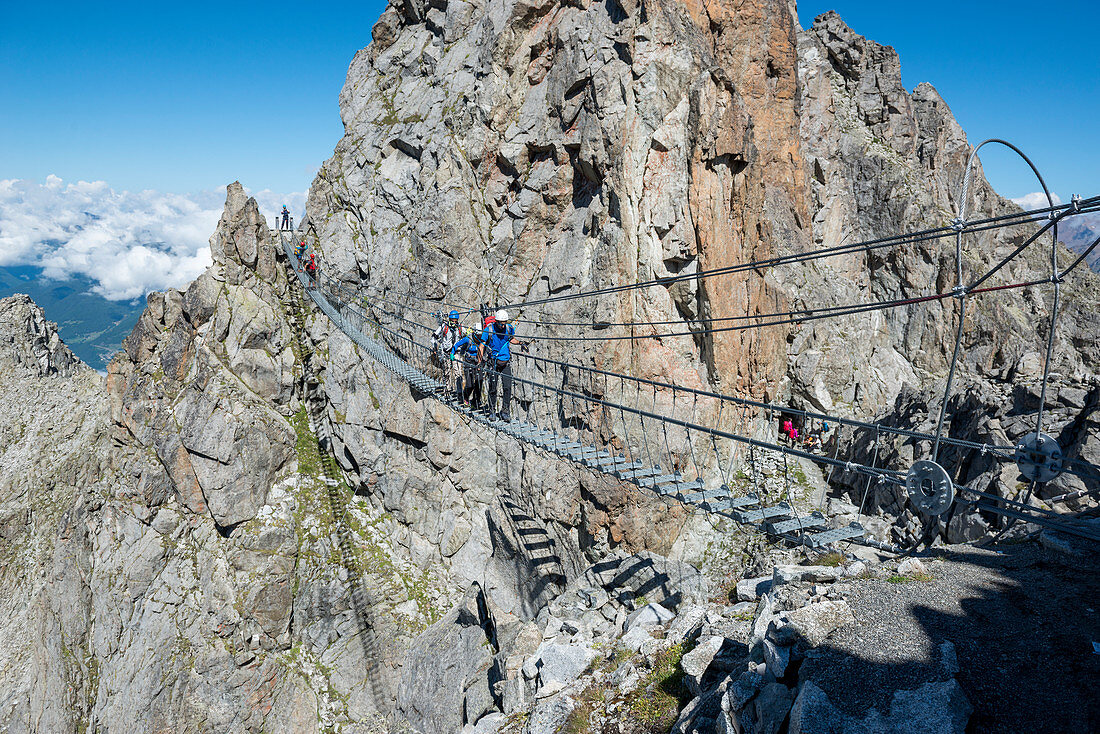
1022,620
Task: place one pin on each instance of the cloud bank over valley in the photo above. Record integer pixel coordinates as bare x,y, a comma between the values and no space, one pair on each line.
126,243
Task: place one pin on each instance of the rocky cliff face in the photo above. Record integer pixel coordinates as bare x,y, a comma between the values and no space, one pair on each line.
250,526
505,152
31,344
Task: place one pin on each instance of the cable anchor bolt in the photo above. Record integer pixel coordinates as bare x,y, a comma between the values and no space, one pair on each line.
960,291
958,224
1075,203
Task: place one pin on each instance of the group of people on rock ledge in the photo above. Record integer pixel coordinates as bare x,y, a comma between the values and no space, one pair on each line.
484,353
809,437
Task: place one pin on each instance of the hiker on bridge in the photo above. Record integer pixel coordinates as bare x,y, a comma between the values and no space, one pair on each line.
496,358
469,383
311,269
286,218
449,333
300,250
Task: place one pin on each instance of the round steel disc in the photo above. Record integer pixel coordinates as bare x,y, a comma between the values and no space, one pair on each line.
929,487
1039,457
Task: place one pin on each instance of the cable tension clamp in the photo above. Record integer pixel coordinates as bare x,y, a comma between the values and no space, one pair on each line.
929,487
1039,457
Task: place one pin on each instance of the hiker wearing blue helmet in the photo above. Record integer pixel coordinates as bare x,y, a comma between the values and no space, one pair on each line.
443,341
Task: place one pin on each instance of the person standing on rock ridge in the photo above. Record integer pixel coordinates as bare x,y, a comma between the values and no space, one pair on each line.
496,355
286,218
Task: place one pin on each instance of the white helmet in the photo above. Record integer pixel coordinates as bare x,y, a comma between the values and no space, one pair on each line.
502,315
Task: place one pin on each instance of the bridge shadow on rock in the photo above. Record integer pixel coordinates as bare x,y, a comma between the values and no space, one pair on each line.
1020,620
539,570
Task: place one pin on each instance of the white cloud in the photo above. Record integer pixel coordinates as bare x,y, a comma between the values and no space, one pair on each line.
1036,200
271,203
129,243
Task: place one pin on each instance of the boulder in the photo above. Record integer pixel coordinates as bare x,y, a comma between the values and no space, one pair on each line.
794,574
635,639
696,662
813,623
549,716
687,625
911,566
445,661
937,707
766,712
553,665
651,615
776,657
751,589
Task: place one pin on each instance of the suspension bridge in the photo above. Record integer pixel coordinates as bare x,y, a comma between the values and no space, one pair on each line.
654,434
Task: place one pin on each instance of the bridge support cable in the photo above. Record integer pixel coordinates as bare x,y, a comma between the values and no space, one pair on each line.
980,225
1078,206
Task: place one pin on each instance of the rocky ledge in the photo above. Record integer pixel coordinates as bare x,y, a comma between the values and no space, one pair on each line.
28,342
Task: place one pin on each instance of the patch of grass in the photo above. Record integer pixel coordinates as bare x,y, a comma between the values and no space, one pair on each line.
309,456
746,615
832,559
578,720
897,579
661,694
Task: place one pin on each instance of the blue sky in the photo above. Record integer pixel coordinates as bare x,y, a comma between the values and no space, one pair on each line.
156,100
187,97
175,96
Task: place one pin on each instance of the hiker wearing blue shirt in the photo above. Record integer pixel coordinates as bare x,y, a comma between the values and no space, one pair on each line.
496,358
286,218
468,348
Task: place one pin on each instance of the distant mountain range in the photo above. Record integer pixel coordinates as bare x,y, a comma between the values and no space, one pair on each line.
1079,232
92,326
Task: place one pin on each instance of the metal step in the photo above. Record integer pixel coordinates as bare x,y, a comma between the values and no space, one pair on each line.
678,488
637,473
707,494
808,522
610,461
572,453
663,479
733,503
855,530
764,513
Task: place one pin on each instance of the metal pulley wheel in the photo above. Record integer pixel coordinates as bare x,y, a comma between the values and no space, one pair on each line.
929,487
1039,457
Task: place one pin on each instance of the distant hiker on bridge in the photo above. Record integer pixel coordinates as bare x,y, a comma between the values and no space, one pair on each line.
469,384
311,269
496,357
286,218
